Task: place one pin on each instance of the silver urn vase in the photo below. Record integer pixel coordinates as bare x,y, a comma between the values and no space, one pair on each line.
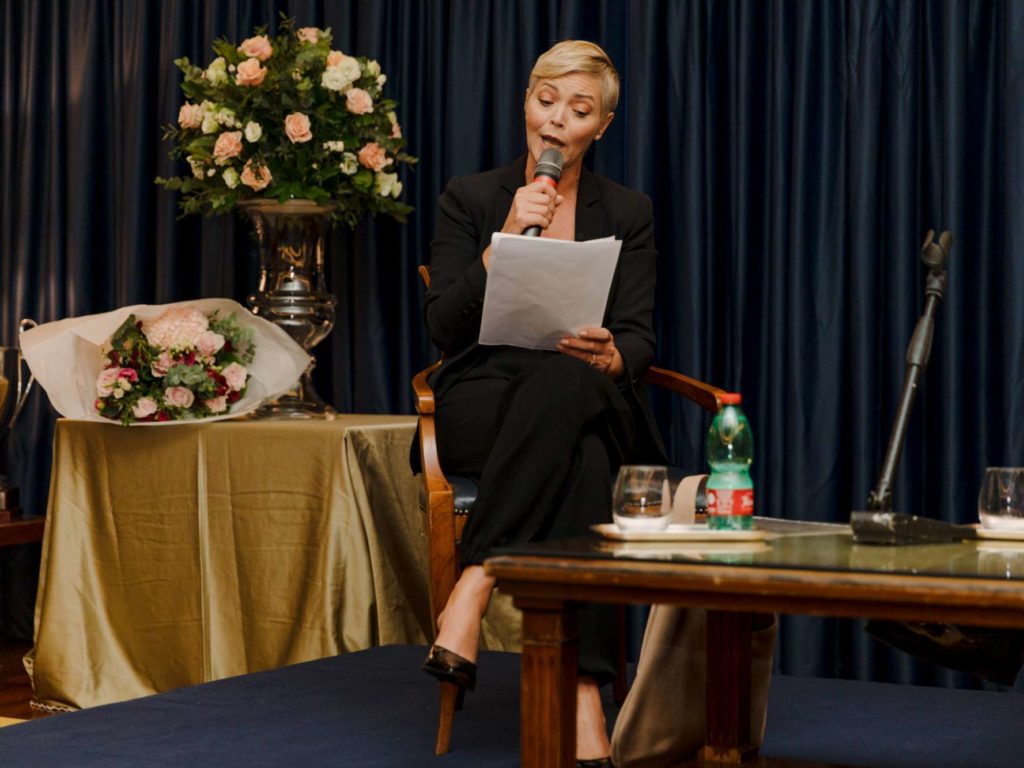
292,291
14,389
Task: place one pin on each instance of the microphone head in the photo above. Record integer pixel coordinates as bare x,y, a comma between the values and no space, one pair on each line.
550,164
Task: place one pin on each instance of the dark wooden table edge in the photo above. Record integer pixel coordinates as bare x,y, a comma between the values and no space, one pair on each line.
846,594
22,530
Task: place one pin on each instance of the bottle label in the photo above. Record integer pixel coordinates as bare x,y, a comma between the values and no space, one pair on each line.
725,502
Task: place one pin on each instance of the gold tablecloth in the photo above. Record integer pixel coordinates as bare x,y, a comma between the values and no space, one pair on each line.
183,554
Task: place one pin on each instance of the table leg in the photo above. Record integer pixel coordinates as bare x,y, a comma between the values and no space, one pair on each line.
727,735
548,686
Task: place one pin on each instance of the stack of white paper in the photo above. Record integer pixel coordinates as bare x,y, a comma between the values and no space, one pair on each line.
541,290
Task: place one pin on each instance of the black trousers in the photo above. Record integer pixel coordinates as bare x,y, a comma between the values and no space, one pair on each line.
542,433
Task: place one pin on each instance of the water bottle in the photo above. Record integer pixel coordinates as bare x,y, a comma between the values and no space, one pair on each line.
730,491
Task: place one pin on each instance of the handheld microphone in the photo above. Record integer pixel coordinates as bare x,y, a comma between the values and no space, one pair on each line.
549,169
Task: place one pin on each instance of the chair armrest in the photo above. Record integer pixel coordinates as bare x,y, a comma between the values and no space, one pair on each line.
433,475
422,391
704,395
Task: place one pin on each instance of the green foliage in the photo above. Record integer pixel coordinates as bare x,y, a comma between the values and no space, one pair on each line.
248,121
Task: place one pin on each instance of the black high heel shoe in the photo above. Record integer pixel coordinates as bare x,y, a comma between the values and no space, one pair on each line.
450,667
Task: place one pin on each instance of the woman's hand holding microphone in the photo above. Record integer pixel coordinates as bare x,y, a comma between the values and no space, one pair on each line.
533,206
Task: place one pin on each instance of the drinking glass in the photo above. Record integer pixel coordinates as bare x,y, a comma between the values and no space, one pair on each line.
642,500
1001,501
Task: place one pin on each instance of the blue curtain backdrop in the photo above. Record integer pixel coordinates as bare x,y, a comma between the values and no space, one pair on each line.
796,152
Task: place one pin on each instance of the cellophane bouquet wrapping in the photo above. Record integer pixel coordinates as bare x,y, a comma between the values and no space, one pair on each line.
191,361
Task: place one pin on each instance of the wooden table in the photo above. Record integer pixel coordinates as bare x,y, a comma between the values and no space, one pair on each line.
21,530
976,583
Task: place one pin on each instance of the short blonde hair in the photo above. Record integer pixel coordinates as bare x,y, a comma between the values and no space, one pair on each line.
579,56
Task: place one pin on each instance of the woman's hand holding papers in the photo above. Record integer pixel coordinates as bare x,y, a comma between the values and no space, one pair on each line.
596,347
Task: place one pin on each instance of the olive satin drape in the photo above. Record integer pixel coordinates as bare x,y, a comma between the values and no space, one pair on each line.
178,555
796,152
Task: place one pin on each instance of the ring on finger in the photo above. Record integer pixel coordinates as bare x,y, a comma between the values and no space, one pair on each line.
593,359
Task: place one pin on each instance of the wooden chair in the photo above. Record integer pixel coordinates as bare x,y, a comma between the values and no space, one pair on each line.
448,500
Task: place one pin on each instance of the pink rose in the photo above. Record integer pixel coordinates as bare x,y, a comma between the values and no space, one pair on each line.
372,156
105,381
209,343
217,404
308,35
256,177
256,48
179,397
161,365
229,145
235,376
128,374
145,406
358,101
296,127
250,73
334,58
190,116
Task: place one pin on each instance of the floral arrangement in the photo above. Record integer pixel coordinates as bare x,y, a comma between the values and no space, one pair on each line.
181,365
288,117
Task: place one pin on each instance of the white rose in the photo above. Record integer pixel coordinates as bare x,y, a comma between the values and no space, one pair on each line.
227,118
210,124
383,183
350,68
381,79
334,146
230,177
217,72
333,79
349,163
373,67
196,166
253,131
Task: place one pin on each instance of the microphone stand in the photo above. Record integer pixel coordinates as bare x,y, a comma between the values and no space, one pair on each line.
880,525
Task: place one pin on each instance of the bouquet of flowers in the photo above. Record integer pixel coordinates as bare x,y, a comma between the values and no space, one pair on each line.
288,117
182,365
165,364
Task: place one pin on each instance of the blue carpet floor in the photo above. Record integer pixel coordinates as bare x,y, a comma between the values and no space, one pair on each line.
376,709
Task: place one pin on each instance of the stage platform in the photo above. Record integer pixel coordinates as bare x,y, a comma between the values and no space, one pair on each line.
375,708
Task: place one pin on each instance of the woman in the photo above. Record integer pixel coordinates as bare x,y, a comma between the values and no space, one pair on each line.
541,430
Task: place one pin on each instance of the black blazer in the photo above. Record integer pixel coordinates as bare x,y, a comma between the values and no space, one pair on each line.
473,207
